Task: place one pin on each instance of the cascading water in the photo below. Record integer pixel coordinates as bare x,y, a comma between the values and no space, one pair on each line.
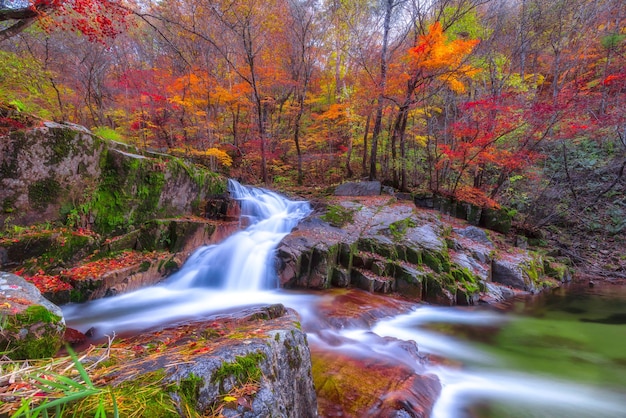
238,272
243,261
233,273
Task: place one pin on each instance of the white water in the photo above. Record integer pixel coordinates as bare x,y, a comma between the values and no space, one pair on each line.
238,272
215,279
487,381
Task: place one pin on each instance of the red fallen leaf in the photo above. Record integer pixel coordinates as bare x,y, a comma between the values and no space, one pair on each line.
201,350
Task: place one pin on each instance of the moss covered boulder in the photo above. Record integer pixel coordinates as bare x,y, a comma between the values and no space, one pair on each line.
30,326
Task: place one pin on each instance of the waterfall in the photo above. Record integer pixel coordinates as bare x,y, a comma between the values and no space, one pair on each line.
244,260
222,276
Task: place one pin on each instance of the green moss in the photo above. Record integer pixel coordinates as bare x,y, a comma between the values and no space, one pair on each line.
534,270
8,205
338,216
43,192
37,313
144,266
69,246
189,389
470,283
45,344
170,265
9,167
244,369
555,269
398,229
62,144
434,261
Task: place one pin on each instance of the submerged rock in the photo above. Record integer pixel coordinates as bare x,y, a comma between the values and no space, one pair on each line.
31,327
374,386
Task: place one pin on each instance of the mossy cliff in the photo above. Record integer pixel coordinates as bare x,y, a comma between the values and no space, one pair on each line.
69,197
63,172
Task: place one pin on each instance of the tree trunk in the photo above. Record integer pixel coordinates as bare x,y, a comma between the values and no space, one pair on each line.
389,5
367,128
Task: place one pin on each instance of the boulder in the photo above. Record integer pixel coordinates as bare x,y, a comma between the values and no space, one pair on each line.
31,326
254,363
510,272
359,188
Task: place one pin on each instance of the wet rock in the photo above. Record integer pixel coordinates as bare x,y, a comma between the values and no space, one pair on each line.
426,237
254,363
511,273
32,327
361,188
496,293
222,207
472,264
381,384
372,282
74,337
390,246
475,234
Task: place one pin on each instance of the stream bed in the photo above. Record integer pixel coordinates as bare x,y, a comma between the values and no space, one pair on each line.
559,355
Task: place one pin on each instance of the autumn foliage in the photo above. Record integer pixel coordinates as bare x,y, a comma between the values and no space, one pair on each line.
464,99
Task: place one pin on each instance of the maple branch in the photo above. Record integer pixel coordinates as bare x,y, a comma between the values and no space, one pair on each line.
24,16
144,17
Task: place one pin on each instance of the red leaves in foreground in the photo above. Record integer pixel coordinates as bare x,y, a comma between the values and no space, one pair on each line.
47,283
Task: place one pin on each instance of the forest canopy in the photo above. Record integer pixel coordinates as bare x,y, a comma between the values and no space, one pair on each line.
514,102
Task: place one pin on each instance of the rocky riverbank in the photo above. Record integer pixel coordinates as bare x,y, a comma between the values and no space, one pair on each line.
380,243
115,219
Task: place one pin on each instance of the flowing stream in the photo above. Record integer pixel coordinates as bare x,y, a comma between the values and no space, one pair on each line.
215,279
562,358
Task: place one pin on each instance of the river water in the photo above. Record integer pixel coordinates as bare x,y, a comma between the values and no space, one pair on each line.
562,355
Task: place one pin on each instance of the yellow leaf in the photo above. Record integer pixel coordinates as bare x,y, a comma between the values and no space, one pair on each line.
229,399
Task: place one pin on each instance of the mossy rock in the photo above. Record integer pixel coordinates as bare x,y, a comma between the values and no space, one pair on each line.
499,220
439,262
32,333
379,245
556,270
